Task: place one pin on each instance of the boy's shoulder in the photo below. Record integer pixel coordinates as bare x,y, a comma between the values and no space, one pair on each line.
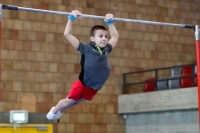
88,47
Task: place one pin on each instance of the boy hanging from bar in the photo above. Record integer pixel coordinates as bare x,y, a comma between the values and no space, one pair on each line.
95,67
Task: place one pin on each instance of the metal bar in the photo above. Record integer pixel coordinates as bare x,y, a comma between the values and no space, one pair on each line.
171,78
157,69
0,44
10,7
197,37
0,12
156,76
124,81
193,75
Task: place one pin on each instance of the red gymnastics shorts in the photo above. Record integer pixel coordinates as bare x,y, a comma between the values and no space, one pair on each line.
79,91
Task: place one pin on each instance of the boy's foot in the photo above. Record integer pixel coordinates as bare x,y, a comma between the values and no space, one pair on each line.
52,116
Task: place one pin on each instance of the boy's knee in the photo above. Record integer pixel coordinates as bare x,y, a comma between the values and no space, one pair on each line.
62,101
65,103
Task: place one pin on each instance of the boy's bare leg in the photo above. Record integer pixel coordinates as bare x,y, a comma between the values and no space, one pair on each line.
55,113
61,106
64,103
77,102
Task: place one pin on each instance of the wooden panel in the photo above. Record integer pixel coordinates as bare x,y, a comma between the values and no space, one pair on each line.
28,103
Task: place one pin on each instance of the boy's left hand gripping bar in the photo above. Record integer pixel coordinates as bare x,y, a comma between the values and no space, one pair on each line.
9,7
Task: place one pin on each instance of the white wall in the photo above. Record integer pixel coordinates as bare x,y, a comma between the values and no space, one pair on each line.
163,122
169,111
158,101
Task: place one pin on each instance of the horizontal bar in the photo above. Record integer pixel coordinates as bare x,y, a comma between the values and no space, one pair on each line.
157,69
171,78
10,7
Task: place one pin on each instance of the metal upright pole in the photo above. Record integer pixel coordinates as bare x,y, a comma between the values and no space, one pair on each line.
0,42
0,27
197,37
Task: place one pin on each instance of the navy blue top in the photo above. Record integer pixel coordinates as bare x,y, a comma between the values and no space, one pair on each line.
95,68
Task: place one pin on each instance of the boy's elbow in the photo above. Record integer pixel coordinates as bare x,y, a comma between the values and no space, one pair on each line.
66,34
116,36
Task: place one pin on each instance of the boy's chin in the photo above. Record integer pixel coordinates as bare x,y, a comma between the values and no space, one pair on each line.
102,45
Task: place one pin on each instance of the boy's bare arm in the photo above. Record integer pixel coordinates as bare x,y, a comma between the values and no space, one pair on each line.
114,35
113,31
67,33
72,39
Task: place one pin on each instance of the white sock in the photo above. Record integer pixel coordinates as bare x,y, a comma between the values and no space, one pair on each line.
52,116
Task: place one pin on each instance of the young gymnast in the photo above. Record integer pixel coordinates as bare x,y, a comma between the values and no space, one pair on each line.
95,67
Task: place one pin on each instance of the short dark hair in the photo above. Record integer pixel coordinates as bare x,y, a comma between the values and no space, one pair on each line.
97,27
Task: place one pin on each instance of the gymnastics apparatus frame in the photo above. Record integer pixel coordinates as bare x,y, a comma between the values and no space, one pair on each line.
194,27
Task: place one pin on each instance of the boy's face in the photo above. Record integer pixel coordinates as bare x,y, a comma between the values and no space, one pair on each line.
100,38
